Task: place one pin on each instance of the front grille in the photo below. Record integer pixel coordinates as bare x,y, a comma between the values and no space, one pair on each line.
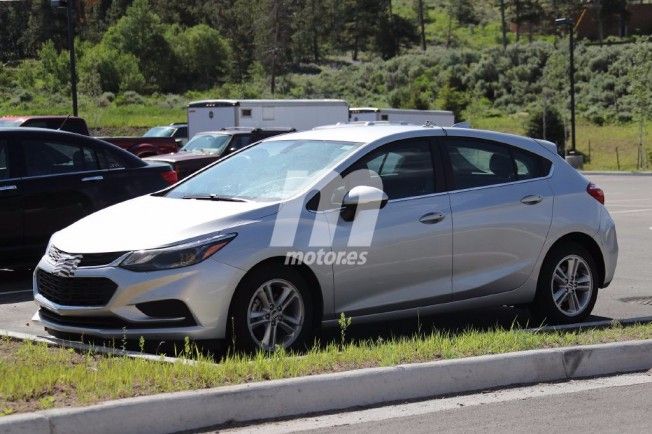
75,291
106,322
98,259
84,260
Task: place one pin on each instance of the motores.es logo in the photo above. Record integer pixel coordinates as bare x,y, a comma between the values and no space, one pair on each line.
341,225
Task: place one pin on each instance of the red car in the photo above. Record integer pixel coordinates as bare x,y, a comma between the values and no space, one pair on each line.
139,146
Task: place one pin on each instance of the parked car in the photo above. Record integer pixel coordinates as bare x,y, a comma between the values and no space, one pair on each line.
206,148
464,219
139,146
177,130
50,179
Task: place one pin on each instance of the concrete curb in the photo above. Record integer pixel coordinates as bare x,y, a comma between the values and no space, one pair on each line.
174,412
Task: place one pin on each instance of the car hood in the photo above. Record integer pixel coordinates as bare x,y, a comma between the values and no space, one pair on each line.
183,156
151,221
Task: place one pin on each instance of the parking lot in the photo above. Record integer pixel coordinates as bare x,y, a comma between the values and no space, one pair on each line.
629,199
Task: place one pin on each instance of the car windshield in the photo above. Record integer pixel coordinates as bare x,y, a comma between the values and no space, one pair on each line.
160,132
269,171
213,144
7,123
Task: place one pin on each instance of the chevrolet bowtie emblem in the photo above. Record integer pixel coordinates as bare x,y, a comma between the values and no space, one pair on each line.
65,264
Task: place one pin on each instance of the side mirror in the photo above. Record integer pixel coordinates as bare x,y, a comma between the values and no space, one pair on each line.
364,197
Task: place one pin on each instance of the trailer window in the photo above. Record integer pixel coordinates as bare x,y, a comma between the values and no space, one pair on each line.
246,113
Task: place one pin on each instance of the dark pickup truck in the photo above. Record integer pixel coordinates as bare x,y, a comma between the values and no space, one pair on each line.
139,146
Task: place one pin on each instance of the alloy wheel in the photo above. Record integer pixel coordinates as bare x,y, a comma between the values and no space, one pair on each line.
572,285
275,315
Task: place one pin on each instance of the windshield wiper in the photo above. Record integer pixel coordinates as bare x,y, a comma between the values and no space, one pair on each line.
216,198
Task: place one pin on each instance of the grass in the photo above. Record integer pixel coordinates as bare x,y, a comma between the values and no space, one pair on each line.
35,376
603,140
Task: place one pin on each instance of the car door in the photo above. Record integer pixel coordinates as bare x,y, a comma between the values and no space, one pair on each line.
62,183
11,207
408,261
502,205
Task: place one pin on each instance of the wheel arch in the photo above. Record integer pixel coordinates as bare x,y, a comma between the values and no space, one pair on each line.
589,243
306,273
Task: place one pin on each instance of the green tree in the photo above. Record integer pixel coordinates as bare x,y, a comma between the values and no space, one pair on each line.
109,69
140,32
547,124
204,53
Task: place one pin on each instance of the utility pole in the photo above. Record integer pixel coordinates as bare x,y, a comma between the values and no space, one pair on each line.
71,49
422,24
567,22
504,23
70,15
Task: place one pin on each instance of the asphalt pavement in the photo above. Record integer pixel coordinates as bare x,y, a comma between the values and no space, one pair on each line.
603,405
629,199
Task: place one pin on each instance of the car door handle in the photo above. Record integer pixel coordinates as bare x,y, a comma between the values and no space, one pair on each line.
8,188
432,218
93,178
532,199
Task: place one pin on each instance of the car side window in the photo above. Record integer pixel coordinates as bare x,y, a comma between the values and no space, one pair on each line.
181,132
240,141
4,160
405,168
49,157
529,165
109,160
479,164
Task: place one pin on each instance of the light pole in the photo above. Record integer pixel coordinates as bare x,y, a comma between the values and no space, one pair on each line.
69,5
567,22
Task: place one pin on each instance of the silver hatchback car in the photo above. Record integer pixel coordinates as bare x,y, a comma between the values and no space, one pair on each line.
373,221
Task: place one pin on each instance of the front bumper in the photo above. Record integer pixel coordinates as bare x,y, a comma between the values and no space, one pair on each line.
206,289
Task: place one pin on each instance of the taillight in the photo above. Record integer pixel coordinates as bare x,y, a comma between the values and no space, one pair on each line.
170,176
595,192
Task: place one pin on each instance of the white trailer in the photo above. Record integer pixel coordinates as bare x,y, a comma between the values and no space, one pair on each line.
300,114
418,117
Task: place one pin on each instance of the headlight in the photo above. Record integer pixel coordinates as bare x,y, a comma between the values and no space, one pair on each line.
184,254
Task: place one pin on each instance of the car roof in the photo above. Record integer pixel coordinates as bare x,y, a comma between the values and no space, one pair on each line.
365,132
54,133
368,132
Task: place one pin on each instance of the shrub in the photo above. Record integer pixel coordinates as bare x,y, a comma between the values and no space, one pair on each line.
113,70
21,96
555,131
129,98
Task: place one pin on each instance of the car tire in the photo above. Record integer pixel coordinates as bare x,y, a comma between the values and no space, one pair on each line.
565,297
253,325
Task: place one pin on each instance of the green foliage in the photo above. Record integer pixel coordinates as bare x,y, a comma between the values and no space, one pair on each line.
107,69
203,53
554,126
140,33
